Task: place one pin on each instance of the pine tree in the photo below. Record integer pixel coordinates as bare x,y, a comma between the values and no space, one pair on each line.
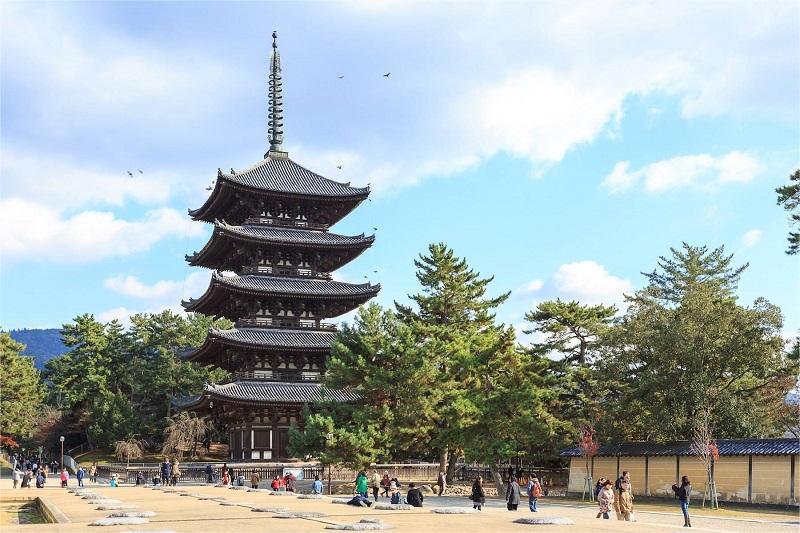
685,346
21,390
571,335
789,198
451,312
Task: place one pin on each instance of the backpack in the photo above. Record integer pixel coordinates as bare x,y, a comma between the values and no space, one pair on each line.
537,490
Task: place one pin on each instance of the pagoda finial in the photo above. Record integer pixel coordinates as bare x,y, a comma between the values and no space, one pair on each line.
275,115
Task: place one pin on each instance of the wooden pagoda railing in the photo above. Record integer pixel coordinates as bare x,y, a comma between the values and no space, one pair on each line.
267,322
288,223
283,271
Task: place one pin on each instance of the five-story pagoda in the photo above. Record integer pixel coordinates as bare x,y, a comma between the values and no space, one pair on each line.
273,255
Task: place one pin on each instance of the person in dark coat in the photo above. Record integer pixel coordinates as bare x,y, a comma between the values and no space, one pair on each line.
684,493
478,495
209,474
166,472
414,496
512,494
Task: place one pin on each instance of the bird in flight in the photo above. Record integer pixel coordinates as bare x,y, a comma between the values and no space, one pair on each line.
339,167
130,173
387,74
374,228
140,171
340,77
209,188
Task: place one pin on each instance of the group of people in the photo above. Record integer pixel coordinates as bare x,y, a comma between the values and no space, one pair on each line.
618,496
513,493
386,486
170,473
615,495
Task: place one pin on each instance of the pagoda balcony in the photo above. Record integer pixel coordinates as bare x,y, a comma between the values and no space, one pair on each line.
268,375
287,223
283,323
285,271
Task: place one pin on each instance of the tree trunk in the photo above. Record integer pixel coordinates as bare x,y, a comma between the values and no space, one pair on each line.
498,481
443,454
451,467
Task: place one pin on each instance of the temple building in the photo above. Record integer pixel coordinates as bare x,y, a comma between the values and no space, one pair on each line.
273,256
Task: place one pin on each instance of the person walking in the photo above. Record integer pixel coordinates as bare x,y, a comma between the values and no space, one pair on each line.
512,494
375,484
64,478
534,493
316,487
16,476
414,496
605,499
289,480
621,482
140,478
93,473
441,481
361,484
478,494
684,493
385,483
80,474
176,472
26,479
209,474
255,479
625,504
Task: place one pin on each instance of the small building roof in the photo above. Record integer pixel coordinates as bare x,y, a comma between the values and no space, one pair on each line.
725,447
261,392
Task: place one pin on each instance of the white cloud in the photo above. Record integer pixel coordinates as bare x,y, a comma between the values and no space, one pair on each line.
590,283
752,237
586,281
159,296
82,71
34,231
62,183
702,171
162,290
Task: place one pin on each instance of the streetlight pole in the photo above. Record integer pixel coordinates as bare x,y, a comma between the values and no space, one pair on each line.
61,438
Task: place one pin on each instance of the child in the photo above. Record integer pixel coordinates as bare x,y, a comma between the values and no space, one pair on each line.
396,496
64,478
114,480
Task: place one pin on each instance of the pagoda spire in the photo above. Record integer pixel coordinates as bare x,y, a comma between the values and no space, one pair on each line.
275,114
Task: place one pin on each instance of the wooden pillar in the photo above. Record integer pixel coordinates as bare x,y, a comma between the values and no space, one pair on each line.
617,468
792,488
646,475
678,470
749,479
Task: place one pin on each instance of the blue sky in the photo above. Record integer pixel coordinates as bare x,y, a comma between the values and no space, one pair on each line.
560,147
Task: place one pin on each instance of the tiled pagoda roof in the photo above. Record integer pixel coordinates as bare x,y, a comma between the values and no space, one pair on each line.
285,287
280,236
260,392
265,339
282,175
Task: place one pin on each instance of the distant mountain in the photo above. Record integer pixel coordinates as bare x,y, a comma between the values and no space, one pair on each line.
42,344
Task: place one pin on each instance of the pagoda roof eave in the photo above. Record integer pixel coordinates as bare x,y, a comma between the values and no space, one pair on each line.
263,339
281,177
283,287
278,236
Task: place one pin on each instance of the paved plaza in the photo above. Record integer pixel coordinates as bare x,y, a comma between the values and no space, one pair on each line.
184,510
